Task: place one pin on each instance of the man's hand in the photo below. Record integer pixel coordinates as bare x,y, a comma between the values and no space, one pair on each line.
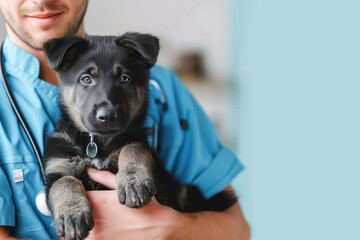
112,219
155,221
4,234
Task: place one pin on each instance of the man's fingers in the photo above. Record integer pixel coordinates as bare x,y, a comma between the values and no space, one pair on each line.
103,177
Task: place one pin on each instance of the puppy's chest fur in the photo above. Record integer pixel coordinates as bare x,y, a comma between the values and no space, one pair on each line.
69,140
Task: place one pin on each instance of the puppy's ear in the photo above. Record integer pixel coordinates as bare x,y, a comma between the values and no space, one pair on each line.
60,52
145,44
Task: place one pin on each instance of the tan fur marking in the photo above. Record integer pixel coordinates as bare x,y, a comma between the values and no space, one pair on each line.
63,166
66,188
135,155
68,96
135,107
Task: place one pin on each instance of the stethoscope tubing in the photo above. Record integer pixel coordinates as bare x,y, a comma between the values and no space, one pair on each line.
19,116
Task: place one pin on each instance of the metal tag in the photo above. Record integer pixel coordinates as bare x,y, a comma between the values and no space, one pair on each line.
91,149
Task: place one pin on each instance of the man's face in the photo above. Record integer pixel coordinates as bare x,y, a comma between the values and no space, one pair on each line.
35,21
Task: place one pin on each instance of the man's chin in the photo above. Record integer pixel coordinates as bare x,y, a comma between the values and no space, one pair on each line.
42,36
38,43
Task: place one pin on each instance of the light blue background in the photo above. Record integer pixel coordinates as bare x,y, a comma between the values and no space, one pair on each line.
296,70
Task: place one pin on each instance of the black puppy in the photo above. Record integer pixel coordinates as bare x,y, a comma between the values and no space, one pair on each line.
104,88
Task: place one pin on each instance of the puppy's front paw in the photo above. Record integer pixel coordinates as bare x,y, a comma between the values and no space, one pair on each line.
74,222
135,190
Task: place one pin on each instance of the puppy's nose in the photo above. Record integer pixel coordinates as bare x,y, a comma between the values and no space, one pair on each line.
106,115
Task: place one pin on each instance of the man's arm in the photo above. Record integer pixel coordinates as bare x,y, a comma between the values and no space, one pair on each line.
155,221
229,224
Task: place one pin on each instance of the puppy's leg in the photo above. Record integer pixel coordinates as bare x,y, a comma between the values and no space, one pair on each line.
70,208
135,178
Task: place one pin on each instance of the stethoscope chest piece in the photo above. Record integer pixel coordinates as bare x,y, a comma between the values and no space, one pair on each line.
41,204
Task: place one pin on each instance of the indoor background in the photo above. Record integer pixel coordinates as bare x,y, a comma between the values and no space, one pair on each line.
281,81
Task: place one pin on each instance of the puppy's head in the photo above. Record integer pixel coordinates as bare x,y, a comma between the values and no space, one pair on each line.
103,80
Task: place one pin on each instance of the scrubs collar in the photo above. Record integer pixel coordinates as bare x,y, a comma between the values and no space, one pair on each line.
20,59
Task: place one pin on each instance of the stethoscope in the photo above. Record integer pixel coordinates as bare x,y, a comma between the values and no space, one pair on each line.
19,115
40,197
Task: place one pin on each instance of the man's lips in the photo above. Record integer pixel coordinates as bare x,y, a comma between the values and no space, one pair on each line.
45,18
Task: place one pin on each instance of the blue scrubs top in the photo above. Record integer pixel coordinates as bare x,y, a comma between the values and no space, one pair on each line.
188,144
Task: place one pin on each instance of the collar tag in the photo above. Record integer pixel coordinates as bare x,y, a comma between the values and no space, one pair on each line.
91,149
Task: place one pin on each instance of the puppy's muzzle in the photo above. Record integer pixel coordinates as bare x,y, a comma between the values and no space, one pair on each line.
106,115
106,118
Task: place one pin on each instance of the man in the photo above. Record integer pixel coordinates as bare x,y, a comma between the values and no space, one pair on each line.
29,24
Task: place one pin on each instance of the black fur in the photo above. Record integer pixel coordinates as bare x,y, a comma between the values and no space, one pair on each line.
112,106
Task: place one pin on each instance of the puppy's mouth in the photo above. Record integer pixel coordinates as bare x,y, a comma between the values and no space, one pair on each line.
105,133
105,129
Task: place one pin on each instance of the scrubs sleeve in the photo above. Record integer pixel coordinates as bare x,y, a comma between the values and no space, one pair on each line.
7,210
190,146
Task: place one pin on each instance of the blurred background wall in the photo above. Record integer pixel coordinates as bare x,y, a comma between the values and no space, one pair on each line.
182,26
296,65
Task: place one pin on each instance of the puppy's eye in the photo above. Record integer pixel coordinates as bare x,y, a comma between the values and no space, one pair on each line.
124,78
86,79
